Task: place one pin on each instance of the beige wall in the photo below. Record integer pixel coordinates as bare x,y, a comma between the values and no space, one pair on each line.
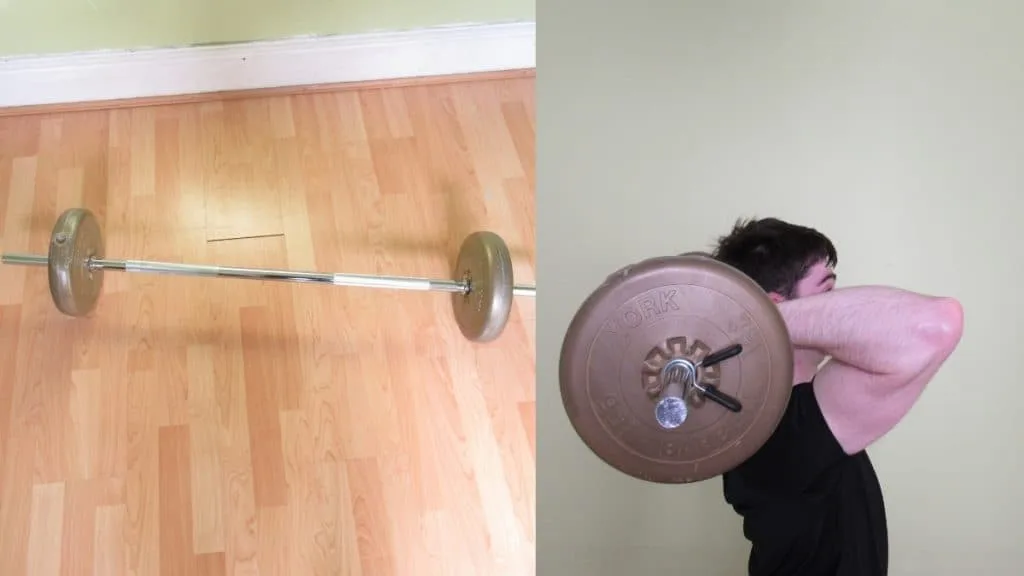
895,127
54,26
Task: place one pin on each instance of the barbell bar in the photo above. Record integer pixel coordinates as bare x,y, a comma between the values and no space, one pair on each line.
482,288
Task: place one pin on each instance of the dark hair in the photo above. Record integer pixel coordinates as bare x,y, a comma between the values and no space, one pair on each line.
774,253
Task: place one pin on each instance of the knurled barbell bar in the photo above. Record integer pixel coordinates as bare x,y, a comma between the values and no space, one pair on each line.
482,288
676,369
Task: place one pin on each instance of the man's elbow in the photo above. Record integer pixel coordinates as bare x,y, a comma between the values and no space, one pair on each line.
946,326
938,333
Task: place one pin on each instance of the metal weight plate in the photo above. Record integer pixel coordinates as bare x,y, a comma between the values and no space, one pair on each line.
485,263
662,310
76,237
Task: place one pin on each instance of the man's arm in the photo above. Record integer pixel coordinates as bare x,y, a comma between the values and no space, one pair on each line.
886,344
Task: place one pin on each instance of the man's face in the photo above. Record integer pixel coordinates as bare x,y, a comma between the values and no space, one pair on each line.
820,278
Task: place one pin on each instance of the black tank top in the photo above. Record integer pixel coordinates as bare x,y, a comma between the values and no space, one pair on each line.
809,508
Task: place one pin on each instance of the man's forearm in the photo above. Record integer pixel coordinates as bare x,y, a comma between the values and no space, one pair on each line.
875,328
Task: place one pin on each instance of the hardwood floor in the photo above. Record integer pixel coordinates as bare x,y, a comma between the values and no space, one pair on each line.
210,426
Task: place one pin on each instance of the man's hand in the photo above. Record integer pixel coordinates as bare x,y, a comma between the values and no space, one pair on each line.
806,363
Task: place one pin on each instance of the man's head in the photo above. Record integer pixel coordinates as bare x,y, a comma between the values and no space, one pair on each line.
787,260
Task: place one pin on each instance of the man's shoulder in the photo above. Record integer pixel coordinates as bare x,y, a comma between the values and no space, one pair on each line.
801,444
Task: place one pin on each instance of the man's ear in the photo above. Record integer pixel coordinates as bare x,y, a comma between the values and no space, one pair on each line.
776,297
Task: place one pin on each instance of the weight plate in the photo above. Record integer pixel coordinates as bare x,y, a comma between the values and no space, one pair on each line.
655,311
76,238
485,262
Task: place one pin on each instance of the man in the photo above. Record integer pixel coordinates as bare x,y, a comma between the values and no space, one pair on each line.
810,501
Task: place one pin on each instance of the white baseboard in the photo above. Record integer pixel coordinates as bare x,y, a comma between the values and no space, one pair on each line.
117,74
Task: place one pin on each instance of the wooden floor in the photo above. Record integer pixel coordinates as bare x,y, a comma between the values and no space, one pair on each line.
209,426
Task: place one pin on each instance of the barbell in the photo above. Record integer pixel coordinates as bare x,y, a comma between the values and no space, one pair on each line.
676,369
482,286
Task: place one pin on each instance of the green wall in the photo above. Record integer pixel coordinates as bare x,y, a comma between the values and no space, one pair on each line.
55,26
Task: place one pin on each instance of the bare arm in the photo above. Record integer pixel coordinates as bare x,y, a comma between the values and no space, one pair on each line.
886,345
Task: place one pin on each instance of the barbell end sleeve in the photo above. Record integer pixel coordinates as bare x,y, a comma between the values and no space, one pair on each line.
24,259
671,411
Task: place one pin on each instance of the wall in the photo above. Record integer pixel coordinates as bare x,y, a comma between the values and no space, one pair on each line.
897,129
56,26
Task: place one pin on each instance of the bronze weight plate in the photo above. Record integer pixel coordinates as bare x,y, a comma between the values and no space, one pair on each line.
485,262
76,237
660,310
